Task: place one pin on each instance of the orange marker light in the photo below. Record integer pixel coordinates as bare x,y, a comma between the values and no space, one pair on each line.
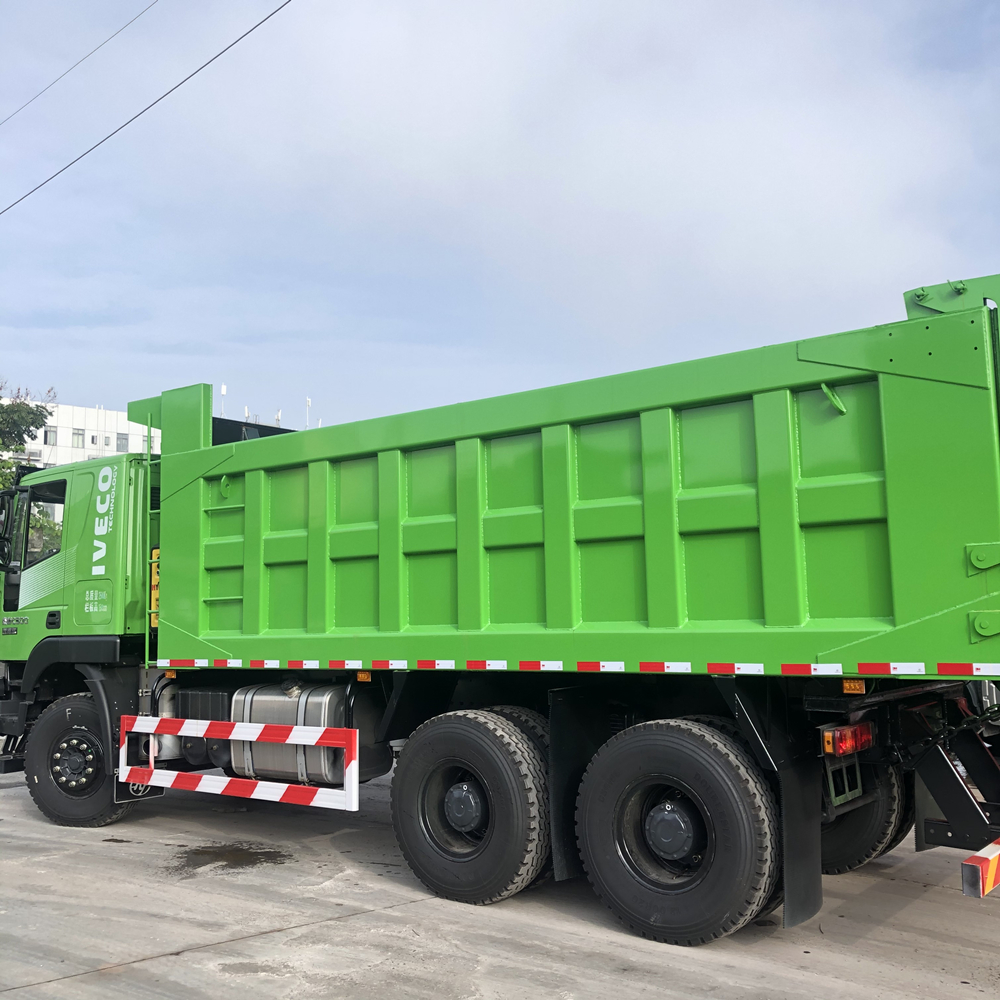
854,685
364,675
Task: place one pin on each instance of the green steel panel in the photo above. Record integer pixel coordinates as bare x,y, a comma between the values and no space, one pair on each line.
473,569
606,519
666,599
945,349
320,572
782,558
562,574
435,533
513,526
392,572
842,499
352,541
717,508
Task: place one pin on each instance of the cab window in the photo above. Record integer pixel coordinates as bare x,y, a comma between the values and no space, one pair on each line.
45,523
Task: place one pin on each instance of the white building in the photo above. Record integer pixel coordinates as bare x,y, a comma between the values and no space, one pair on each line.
80,433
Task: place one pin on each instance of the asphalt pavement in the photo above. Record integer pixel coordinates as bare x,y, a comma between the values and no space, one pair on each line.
207,898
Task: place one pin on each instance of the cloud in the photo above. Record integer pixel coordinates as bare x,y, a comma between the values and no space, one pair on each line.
396,205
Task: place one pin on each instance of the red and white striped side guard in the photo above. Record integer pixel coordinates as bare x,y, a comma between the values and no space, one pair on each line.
979,873
347,797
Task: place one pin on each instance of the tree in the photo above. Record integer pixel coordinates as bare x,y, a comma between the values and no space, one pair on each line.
20,420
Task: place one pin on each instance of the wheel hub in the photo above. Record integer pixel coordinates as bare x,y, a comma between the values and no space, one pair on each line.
75,762
463,806
669,829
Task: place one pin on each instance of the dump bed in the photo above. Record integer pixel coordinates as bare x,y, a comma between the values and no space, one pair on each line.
826,506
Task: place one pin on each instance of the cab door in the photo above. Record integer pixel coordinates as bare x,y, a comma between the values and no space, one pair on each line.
34,594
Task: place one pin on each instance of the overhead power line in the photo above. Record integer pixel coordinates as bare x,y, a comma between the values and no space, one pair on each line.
145,109
77,63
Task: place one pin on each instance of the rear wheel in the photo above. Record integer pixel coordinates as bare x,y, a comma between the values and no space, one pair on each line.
535,727
678,831
907,814
67,767
470,807
854,838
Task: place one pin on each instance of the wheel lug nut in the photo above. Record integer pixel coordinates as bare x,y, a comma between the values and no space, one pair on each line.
83,746
62,746
89,770
90,756
56,756
62,781
73,743
83,781
57,769
72,784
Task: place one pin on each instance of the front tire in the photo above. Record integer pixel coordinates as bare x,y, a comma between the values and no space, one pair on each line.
678,831
68,769
470,807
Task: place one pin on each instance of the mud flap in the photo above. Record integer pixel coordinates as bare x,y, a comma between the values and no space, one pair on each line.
801,826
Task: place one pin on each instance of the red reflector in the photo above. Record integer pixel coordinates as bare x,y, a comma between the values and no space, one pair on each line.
845,740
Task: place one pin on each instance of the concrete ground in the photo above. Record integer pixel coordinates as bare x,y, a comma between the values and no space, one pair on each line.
196,896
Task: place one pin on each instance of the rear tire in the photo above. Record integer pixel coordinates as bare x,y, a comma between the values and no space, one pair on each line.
67,768
470,807
907,814
678,831
859,836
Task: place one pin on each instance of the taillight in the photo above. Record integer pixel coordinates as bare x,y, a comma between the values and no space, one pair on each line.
844,740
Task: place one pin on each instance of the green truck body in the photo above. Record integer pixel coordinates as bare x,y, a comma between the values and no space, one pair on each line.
819,502
778,527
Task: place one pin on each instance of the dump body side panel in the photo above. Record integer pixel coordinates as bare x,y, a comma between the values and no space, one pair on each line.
763,512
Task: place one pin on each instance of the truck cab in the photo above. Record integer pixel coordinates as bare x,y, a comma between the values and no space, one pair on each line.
73,546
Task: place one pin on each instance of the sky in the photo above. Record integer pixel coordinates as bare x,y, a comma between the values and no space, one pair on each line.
389,205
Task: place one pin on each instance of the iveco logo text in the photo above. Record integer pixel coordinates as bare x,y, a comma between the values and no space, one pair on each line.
104,522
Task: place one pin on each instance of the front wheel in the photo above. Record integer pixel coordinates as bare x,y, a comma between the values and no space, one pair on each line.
67,767
678,831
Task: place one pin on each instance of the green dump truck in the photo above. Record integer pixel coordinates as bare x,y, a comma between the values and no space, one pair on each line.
702,632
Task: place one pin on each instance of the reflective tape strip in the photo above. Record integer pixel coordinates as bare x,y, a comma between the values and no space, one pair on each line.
265,664
389,664
986,669
345,664
303,664
485,664
435,664
267,791
954,669
227,663
886,669
812,669
601,666
347,798
736,668
664,667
